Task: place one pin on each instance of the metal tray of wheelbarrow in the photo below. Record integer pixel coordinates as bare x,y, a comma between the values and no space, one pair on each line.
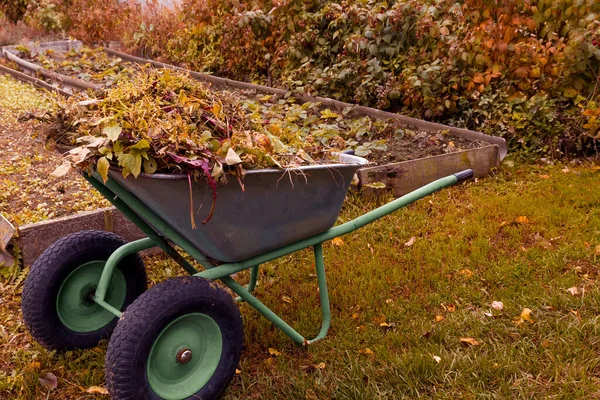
278,207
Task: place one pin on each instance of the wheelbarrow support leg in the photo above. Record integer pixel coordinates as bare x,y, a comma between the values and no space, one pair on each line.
274,318
253,279
323,293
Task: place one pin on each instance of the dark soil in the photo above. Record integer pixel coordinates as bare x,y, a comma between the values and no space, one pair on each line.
420,144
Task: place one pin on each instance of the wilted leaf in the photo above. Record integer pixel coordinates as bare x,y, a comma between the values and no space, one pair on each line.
574,290
597,249
274,352
150,165
437,359
497,305
337,241
232,157
366,351
237,371
97,390
410,242
470,341
78,154
286,299
112,132
61,170
102,168
49,381
439,318
451,307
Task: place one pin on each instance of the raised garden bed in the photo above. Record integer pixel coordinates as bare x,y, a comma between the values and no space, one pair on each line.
405,153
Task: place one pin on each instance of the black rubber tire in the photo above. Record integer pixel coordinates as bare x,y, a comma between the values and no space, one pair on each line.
140,325
49,272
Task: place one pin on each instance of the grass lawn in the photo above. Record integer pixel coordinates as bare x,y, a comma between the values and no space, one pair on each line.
528,237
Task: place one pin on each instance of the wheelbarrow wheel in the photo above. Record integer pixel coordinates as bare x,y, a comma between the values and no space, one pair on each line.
57,296
181,339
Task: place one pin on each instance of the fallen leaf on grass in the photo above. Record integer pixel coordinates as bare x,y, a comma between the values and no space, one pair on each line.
387,324
525,316
366,351
597,249
97,390
451,307
49,381
320,366
337,242
410,242
287,299
274,352
237,371
439,318
545,176
522,220
437,359
467,273
497,305
470,341
574,290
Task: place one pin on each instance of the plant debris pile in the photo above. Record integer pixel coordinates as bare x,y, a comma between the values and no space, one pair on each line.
165,121
91,65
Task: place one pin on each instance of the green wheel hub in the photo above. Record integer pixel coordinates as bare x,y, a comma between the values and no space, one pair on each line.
74,304
184,356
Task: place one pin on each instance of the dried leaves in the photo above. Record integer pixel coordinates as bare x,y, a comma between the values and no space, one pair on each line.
165,121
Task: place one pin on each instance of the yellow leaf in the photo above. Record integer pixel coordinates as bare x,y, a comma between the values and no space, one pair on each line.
337,242
102,168
328,114
525,316
597,249
522,220
355,316
470,341
451,307
217,107
237,371
467,273
366,351
274,352
439,318
97,390
320,366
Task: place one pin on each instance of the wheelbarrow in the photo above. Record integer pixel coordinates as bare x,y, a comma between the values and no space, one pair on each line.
183,337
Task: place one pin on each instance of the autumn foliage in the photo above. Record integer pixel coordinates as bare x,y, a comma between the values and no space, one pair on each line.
526,70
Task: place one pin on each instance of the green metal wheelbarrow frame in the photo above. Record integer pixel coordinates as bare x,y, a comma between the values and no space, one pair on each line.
156,228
